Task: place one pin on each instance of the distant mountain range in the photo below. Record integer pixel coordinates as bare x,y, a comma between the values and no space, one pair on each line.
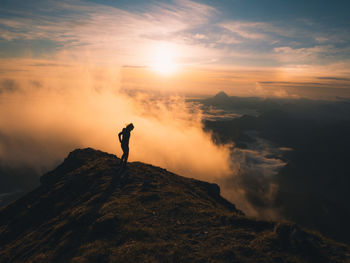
313,186
298,108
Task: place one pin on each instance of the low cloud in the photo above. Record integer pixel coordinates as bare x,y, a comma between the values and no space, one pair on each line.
253,186
8,86
334,78
309,89
39,126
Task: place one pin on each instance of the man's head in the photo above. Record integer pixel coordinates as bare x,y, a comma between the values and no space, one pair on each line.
130,127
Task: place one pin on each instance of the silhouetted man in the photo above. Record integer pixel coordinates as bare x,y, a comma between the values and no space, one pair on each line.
124,137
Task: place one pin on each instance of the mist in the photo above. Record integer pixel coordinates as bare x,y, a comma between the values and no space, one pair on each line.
43,118
253,185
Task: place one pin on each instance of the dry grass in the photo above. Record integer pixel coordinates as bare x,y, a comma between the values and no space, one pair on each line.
89,209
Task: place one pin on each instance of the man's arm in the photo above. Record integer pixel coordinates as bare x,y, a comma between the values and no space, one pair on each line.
119,136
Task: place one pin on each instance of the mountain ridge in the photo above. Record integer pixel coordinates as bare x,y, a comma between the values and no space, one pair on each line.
90,209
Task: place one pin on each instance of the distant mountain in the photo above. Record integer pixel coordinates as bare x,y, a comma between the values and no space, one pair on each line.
90,209
221,96
297,108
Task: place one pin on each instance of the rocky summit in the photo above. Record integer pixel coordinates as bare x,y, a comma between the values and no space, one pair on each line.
90,209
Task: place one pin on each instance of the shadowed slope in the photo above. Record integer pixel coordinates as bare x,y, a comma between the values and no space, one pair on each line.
89,209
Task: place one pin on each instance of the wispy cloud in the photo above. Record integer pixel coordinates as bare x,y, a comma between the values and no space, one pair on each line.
247,30
8,86
103,30
334,78
312,55
94,33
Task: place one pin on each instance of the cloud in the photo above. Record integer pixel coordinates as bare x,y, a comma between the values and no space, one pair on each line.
86,109
70,107
104,34
227,39
270,32
131,66
301,55
8,86
322,39
334,78
311,90
291,83
253,186
49,64
200,36
247,30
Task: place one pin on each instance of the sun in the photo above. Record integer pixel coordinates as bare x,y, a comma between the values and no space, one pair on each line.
163,59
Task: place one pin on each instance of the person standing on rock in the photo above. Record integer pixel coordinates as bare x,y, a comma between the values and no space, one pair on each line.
124,137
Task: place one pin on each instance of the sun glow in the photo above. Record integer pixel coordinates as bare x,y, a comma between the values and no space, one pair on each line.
164,59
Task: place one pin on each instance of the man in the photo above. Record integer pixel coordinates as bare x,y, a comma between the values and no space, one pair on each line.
124,137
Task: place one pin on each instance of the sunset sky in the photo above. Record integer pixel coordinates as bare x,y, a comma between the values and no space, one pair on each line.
74,73
244,47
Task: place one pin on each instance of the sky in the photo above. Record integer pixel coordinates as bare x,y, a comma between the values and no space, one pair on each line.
244,47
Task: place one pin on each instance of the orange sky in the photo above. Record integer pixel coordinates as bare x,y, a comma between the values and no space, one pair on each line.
311,82
179,46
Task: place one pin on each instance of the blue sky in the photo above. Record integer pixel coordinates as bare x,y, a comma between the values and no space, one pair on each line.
286,35
314,31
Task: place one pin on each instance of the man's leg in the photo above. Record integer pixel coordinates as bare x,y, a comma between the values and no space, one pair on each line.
122,159
126,153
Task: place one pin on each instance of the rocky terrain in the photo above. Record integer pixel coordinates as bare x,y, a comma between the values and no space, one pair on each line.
90,209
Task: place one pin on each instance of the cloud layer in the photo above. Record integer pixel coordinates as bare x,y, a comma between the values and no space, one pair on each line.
43,119
41,123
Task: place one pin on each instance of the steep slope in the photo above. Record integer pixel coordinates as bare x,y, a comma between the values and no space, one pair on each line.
89,209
